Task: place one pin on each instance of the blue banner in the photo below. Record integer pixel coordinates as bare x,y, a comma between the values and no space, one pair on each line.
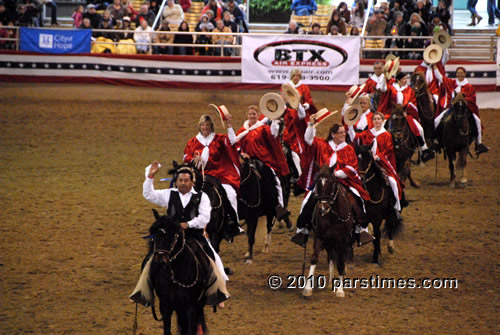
55,41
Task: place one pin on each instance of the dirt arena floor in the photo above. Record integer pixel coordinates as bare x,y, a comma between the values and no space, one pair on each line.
72,161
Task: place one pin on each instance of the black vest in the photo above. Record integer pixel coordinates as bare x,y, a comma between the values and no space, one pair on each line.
180,213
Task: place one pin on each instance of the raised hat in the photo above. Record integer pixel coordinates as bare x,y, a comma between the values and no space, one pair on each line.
321,116
355,90
442,38
292,96
272,105
352,114
433,54
222,112
391,67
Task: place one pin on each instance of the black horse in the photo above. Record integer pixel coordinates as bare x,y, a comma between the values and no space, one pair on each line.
180,273
381,204
425,104
405,143
458,132
333,225
258,197
217,195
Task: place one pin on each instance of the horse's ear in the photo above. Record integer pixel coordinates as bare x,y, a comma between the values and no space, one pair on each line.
175,164
156,214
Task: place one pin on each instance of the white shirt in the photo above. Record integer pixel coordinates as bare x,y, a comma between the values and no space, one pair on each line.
162,197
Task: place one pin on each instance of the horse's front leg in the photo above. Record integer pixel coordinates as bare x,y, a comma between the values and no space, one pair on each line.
462,163
166,314
451,166
338,284
251,228
314,261
270,219
376,242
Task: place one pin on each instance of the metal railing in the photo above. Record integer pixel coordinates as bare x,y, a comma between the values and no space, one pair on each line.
488,47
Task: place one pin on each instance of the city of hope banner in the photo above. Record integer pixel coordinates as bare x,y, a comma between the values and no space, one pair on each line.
324,60
55,41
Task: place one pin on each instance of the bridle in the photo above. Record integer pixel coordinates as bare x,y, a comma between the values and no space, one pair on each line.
326,202
420,91
365,181
400,140
252,169
461,118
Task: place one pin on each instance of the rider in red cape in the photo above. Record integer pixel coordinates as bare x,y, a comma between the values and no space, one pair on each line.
216,156
258,140
383,152
402,94
434,74
453,87
333,151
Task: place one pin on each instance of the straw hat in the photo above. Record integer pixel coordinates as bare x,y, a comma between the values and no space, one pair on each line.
391,67
442,38
272,105
352,114
321,116
390,57
292,96
355,90
222,112
433,54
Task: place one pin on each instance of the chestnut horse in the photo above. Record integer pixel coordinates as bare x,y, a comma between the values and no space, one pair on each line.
425,104
333,224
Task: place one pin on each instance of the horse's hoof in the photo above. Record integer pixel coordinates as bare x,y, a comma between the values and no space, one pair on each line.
463,183
249,260
247,255
452,185
229,271
390,246
307,292
340,294
266,249
414,184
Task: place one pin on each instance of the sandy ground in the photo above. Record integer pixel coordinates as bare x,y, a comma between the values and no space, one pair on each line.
72,164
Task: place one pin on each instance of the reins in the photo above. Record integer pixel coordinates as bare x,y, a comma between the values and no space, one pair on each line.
258,177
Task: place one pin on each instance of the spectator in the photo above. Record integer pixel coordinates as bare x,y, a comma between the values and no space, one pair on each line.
99,4
344,12
397,7
492,12
143,34
211,18
106,25
395,42
106,15
414,43
335,20
163,38
91,14
117,11
77,16
173,13
204,39
354,31
145,13
222,39
27,16
185,4
377,24
398,22
415,18
385,9
5,15
154,6
228,22
423,9
129,10
125,25
237,14
304,7
316,29
334,31
445,16
358,15
436,22
204,23
86,23
53,11
215,8
293,28
183,39
10,32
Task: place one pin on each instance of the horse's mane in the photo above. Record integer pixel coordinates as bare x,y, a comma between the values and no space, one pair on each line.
364,151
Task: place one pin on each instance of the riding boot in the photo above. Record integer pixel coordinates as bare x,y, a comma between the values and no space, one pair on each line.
232,228
480,149
403,202
304,222
359,214
281,213
436,137
427,155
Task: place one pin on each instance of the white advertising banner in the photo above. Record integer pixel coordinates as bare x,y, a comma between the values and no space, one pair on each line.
324,60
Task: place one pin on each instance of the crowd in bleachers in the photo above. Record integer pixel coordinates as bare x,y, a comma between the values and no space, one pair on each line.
394,19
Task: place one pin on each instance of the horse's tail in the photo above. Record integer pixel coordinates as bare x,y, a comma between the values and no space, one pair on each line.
217,286
393,225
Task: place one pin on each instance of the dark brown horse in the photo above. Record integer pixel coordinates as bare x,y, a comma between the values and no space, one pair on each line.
405,143
381,204
425,104
333,224
457,135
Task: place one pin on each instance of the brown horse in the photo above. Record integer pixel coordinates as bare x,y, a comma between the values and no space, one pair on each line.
425,104
405,143
333,223
457,135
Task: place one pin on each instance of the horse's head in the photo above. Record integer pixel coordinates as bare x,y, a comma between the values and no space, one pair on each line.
168,238
365,159
460,109
417,81
397,123
325,188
